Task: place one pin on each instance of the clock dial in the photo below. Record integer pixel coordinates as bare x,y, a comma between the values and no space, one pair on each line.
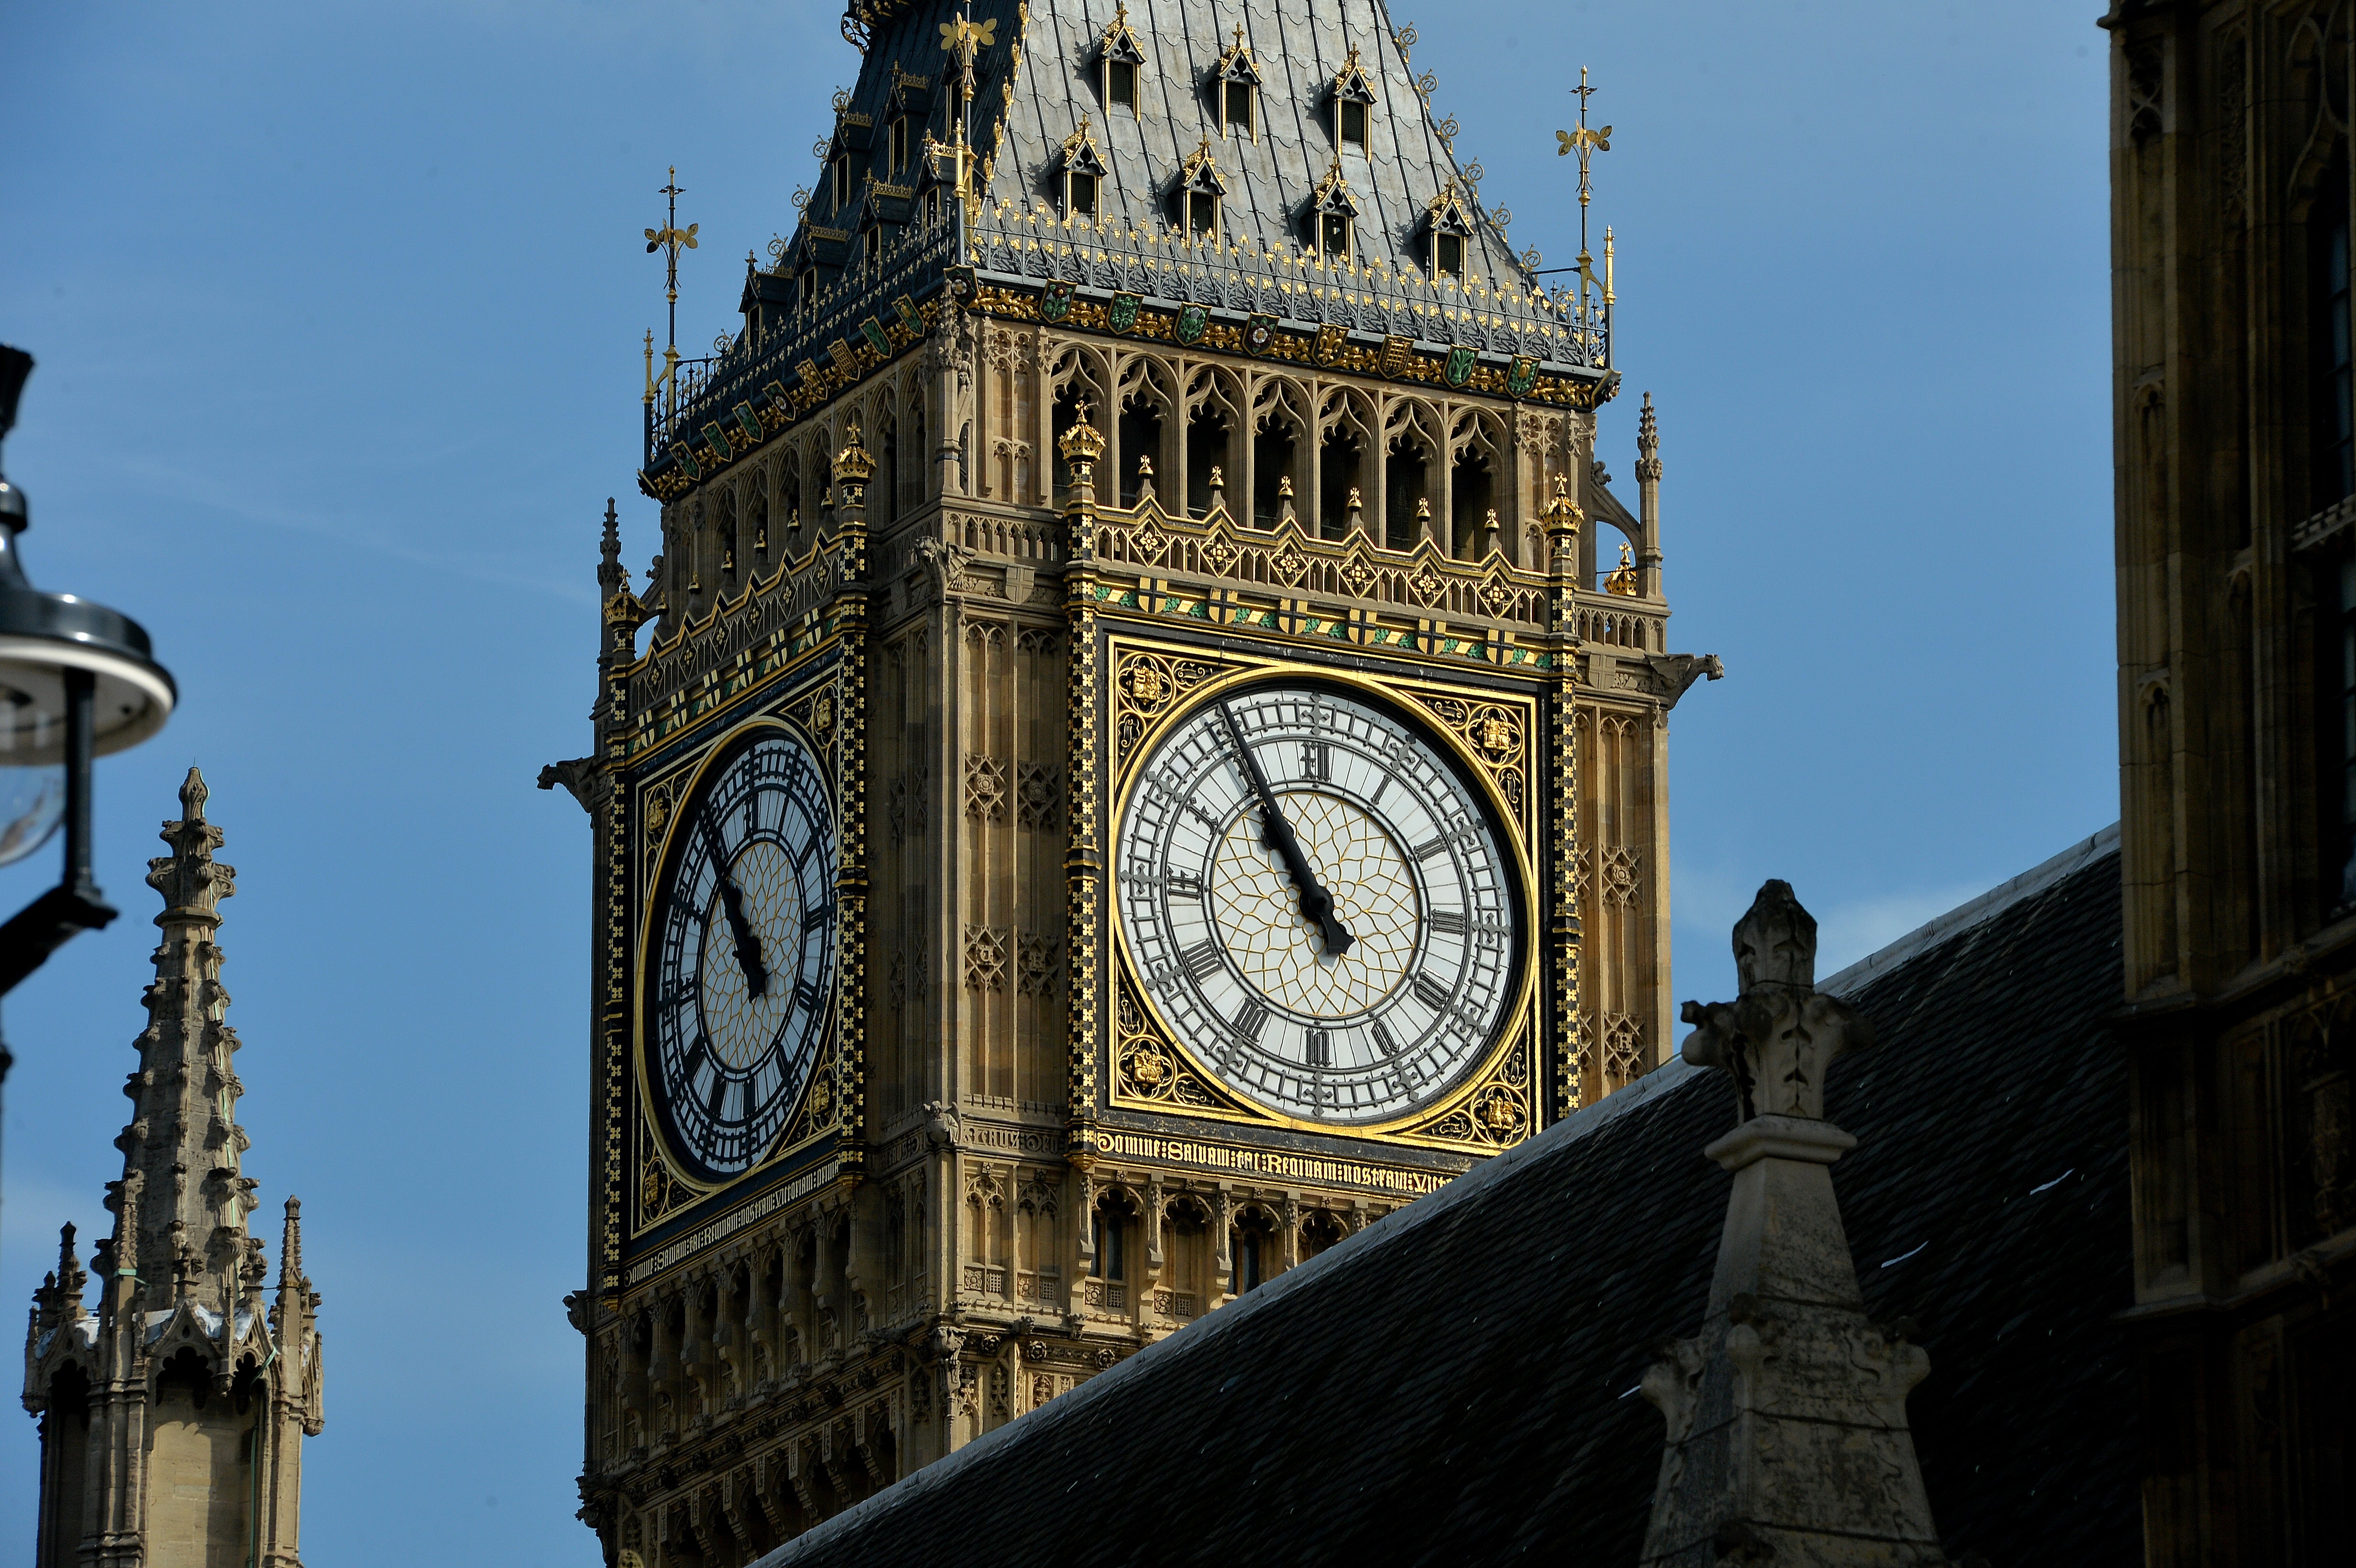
743,945
1319,902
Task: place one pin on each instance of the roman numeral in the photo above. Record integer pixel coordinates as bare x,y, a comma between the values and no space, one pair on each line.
718,1090
1182,886
1450,921
1422,852
1200,959
1383,1040
1317,763
1249,1021
1429,994
1320,1047
806,997
816,920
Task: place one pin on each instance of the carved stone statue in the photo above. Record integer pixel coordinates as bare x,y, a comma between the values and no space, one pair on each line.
1787,1434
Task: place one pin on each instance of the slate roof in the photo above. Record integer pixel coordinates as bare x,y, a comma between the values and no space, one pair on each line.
1457,1384
1034,86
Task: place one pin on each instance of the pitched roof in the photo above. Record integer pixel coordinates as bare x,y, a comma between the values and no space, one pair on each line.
1036,80
1457,1383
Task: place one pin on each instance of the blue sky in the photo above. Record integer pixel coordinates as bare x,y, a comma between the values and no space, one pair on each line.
338,308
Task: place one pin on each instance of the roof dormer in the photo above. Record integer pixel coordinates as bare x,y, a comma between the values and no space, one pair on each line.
1201,192
1446,227
1120,57
1236,80
1334,216
1353,96
1083,172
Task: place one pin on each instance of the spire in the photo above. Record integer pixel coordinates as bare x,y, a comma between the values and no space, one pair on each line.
182,1202
292,1312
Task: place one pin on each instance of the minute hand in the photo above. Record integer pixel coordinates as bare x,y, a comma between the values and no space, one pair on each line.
1316,903
748,946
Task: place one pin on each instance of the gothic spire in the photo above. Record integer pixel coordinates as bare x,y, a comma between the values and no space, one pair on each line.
182,1202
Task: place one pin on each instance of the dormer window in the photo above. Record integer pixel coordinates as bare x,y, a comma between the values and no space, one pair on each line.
842,181
1354,95
1121,55
1084,172
899,144
1333,213
1237,82
1200,193
874,241
1448,227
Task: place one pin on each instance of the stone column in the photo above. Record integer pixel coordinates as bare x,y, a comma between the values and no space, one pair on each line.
1787,1436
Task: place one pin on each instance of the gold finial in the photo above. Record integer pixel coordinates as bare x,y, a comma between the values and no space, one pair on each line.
852,465
1586,143
1284,487
1082,443
1622,581
1145,467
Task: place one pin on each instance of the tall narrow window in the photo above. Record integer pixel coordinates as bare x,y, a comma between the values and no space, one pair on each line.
1240,107
1084,196
1203,215
1448,251
1109,1262
842,181
1353,125
874,243
2335,399
2339,684
1121,54
1352,93
1120,84
1333,236
899,144
1247,1260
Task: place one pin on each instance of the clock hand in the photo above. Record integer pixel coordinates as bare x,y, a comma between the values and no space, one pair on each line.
748,946
1316,903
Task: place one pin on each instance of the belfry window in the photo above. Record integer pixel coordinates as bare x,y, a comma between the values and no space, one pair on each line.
1110,1260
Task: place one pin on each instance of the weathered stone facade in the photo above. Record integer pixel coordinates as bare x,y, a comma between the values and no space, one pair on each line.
173,1414
2237,629
987,490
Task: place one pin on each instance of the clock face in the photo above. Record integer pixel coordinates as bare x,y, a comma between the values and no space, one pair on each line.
1348,962
743,981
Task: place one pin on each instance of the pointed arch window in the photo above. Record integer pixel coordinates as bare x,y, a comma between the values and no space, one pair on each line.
1353,98
1333,216
1237,82
1202,192
1447,225
1083,172
1118,58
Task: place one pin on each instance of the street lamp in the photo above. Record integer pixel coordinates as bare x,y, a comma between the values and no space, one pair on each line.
77,680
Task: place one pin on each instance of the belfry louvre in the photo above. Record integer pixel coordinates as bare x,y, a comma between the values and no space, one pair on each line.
1141,764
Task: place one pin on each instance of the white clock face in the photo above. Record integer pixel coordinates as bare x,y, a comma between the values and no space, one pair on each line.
742,979
1346,957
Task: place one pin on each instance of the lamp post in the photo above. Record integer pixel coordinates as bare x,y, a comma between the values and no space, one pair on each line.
77,680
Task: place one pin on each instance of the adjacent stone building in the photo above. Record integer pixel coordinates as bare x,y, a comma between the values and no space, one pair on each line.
2236,538
174,1406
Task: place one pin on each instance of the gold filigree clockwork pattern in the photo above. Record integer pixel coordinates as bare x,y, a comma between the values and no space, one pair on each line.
1259,909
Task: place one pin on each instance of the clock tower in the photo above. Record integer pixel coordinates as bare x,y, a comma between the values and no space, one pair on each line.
1137,768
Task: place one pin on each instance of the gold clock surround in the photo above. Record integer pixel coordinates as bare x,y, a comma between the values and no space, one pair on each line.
1493,736
666,1185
